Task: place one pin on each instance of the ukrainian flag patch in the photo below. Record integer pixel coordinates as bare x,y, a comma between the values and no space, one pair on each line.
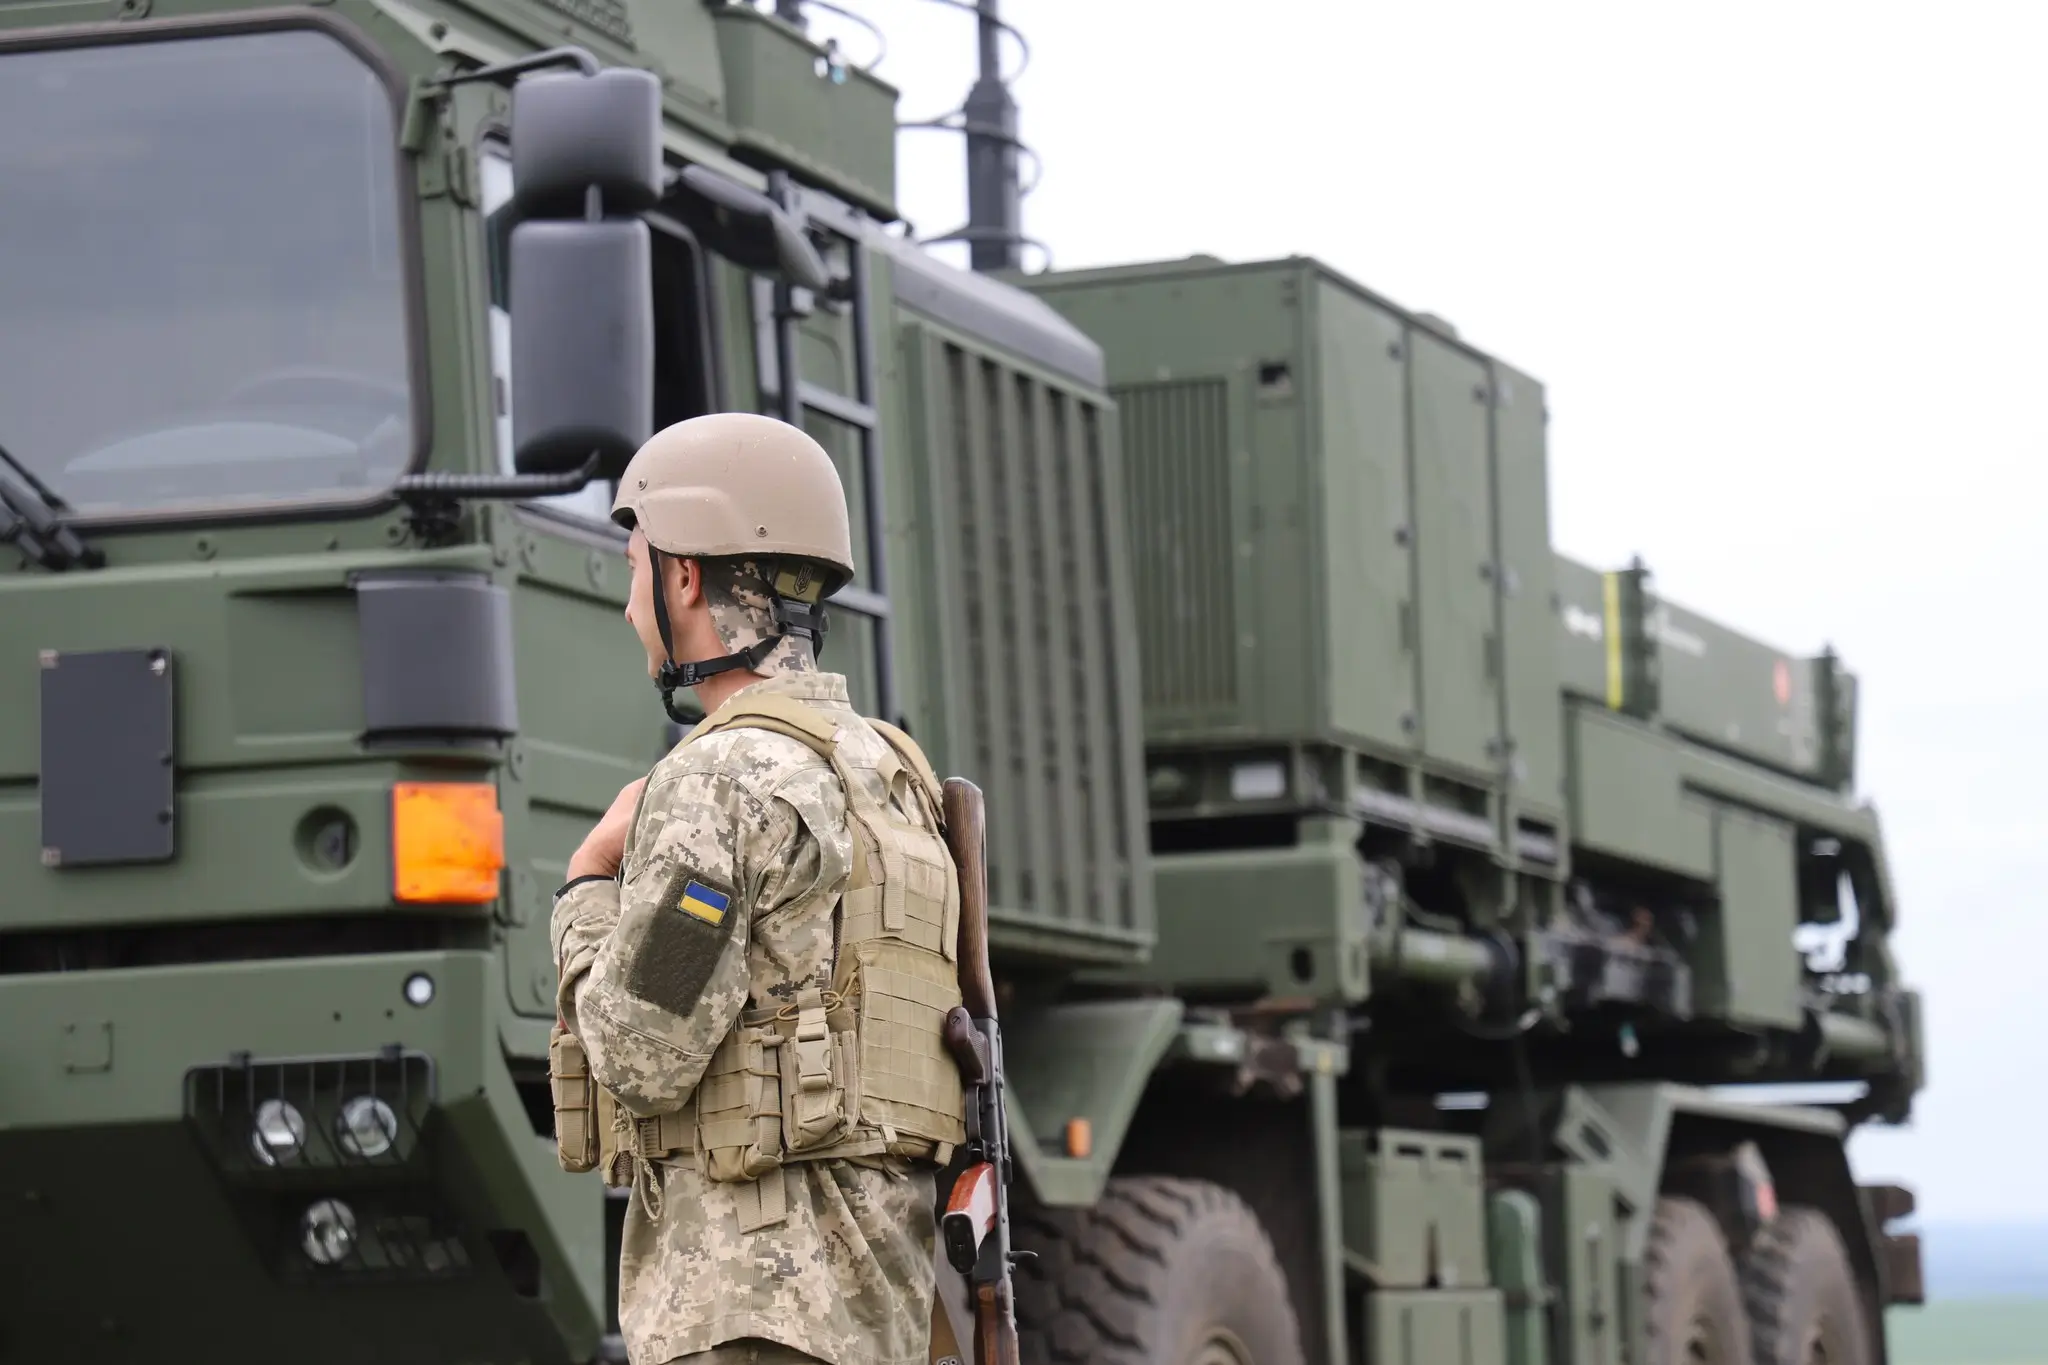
704,903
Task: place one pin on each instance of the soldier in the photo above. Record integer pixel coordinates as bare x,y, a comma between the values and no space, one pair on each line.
756,943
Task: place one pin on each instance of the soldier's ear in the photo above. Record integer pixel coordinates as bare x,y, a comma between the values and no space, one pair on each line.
689,583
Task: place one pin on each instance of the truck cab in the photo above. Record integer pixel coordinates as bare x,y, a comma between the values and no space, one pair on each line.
314,667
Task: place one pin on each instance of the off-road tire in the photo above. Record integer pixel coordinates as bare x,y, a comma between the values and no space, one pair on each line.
1804,1306
1692,1303
1161,1271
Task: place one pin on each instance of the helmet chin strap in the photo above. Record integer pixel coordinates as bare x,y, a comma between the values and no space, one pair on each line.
792,617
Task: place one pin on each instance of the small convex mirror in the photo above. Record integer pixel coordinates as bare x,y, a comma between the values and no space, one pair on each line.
586,159
572,132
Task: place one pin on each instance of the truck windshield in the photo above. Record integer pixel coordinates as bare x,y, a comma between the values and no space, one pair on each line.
202,293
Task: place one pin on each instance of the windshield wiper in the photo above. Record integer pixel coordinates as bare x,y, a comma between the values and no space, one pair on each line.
29,517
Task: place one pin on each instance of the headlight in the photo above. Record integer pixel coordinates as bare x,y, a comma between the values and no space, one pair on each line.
279,1133
366,1128
327,1232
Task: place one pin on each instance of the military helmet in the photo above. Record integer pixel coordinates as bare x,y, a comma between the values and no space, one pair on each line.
738,485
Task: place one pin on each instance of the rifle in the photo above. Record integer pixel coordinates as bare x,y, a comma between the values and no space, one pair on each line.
975,1226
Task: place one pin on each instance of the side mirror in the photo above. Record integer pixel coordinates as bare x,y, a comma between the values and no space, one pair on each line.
582,344
585,147
572,133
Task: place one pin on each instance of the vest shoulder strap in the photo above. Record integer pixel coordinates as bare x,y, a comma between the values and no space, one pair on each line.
780,715
901,759
912,757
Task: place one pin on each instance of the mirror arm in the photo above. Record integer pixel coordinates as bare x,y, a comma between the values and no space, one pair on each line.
801,263
429,97
433,500
506,72
441,484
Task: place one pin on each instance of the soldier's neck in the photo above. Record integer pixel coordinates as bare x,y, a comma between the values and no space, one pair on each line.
716,690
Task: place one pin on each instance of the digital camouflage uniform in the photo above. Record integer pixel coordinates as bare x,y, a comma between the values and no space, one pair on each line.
847,1277
729,912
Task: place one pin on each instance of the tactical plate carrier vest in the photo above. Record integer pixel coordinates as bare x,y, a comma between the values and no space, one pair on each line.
855,1066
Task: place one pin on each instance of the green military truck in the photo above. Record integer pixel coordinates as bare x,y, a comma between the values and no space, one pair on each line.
1383,905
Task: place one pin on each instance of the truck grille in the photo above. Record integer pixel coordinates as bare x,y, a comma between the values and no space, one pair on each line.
1177,467
1039,666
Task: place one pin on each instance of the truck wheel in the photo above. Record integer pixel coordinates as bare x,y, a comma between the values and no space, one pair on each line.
1692,1305
1803,1301
1162,1271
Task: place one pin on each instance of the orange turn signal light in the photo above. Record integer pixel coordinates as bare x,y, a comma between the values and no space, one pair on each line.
1080,1138
447,842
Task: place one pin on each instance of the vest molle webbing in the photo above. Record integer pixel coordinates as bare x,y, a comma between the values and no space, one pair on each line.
855,1066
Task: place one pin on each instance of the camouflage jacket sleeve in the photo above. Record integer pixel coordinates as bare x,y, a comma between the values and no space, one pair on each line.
583,919
654,968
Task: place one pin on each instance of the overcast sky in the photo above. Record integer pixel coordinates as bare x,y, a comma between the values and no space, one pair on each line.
1781,268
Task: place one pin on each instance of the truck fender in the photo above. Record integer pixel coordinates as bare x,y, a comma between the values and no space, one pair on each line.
1806,1149
1074,1074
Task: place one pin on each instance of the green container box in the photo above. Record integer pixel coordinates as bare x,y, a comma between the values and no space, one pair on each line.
1628,796
1744,967
1435,1327
1270,921
1737,694
837,133
1628,650
1415,1207
1514,1227
1587,1234
1340,520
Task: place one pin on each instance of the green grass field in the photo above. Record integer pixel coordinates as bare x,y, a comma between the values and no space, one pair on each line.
1980,1332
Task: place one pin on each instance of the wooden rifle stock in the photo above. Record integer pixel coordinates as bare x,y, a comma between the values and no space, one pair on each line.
966,835
976,1223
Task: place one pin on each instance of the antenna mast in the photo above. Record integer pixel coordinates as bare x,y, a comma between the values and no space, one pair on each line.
994,230
995,197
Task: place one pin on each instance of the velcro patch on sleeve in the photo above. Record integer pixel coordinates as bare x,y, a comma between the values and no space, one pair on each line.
685,937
